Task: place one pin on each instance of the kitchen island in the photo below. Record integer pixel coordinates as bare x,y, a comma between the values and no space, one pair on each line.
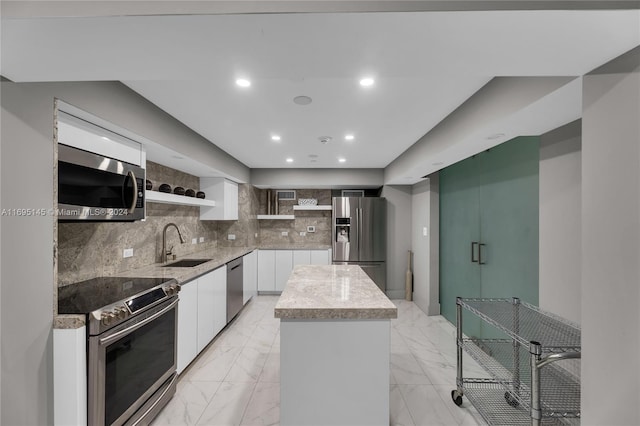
334,347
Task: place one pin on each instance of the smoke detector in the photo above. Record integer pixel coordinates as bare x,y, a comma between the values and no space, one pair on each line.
325,139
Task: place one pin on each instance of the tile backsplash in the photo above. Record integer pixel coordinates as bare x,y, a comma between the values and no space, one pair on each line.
90,249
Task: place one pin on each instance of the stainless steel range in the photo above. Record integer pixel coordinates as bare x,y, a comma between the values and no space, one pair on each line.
131,343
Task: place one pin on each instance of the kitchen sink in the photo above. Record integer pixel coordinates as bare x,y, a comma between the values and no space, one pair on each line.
186,263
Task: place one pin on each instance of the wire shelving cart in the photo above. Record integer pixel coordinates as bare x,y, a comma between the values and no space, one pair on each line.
532,367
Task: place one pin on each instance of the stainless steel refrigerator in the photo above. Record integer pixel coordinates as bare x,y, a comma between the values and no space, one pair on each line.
359,235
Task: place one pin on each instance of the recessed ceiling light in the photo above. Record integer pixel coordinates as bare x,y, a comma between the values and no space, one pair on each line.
243,82
342,160
366,82
275,137
302,100
349,137
105,138
289,160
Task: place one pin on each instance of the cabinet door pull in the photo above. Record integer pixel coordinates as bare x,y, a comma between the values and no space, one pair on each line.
473,259
480,254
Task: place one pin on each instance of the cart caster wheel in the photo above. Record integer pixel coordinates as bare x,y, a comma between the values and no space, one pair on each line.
457,397
511,400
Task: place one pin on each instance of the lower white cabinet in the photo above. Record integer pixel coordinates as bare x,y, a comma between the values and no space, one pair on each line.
249,276
202,313
284,266
320,257
187,324
266,270
275,266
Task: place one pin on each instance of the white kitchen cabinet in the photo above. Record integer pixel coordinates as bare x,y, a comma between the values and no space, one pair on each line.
320,257
187,324
91,137
275,266
212,305
284,266
225,195
219,300
267,270
249,276
301,257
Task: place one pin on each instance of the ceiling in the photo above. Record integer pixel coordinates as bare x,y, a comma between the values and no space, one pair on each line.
425,65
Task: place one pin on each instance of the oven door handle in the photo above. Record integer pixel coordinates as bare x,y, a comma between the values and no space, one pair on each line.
132,176
115,336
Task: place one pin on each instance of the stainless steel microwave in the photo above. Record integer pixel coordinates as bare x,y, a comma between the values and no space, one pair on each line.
98,188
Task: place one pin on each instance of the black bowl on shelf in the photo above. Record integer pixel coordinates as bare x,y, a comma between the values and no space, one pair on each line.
178,190
165,188
149,185
190,193
200,194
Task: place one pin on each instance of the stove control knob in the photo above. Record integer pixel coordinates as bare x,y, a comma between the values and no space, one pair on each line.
173,289
107,318
178,288
121,312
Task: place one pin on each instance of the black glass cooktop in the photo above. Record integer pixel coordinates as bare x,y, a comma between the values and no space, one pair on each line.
85,297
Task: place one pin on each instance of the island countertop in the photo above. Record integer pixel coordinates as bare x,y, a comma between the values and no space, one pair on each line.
333,292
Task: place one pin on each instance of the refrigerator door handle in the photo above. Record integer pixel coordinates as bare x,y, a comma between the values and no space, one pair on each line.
359,214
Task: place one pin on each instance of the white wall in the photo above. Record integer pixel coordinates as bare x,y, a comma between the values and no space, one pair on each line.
611,243
398,237
560,248
425,206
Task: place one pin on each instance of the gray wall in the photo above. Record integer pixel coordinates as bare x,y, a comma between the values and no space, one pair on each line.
611,243
560,221
27,292
398,237
425,203
499,98
27,182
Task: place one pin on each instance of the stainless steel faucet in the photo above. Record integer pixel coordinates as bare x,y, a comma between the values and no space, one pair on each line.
165,253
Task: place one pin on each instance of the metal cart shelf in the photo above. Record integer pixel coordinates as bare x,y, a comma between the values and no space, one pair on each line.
534,365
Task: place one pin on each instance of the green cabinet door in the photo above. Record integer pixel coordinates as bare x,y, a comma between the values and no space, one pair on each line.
459,227
490,199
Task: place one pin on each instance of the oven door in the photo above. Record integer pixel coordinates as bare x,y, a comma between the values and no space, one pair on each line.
132,367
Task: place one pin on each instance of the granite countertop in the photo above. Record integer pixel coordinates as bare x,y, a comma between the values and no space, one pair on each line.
333,292
298,246
219,257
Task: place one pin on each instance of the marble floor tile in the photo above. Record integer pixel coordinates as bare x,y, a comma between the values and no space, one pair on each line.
227,405
187,405
237,377
264,406
406,370
466,414
247,366
398,411
271,369
425,406
214,365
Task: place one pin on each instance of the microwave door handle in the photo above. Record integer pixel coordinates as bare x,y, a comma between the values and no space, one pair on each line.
135,191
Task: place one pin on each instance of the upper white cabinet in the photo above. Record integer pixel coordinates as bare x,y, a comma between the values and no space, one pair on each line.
87,136
225,195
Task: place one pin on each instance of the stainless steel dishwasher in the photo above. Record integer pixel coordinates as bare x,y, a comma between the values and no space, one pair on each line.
234,288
